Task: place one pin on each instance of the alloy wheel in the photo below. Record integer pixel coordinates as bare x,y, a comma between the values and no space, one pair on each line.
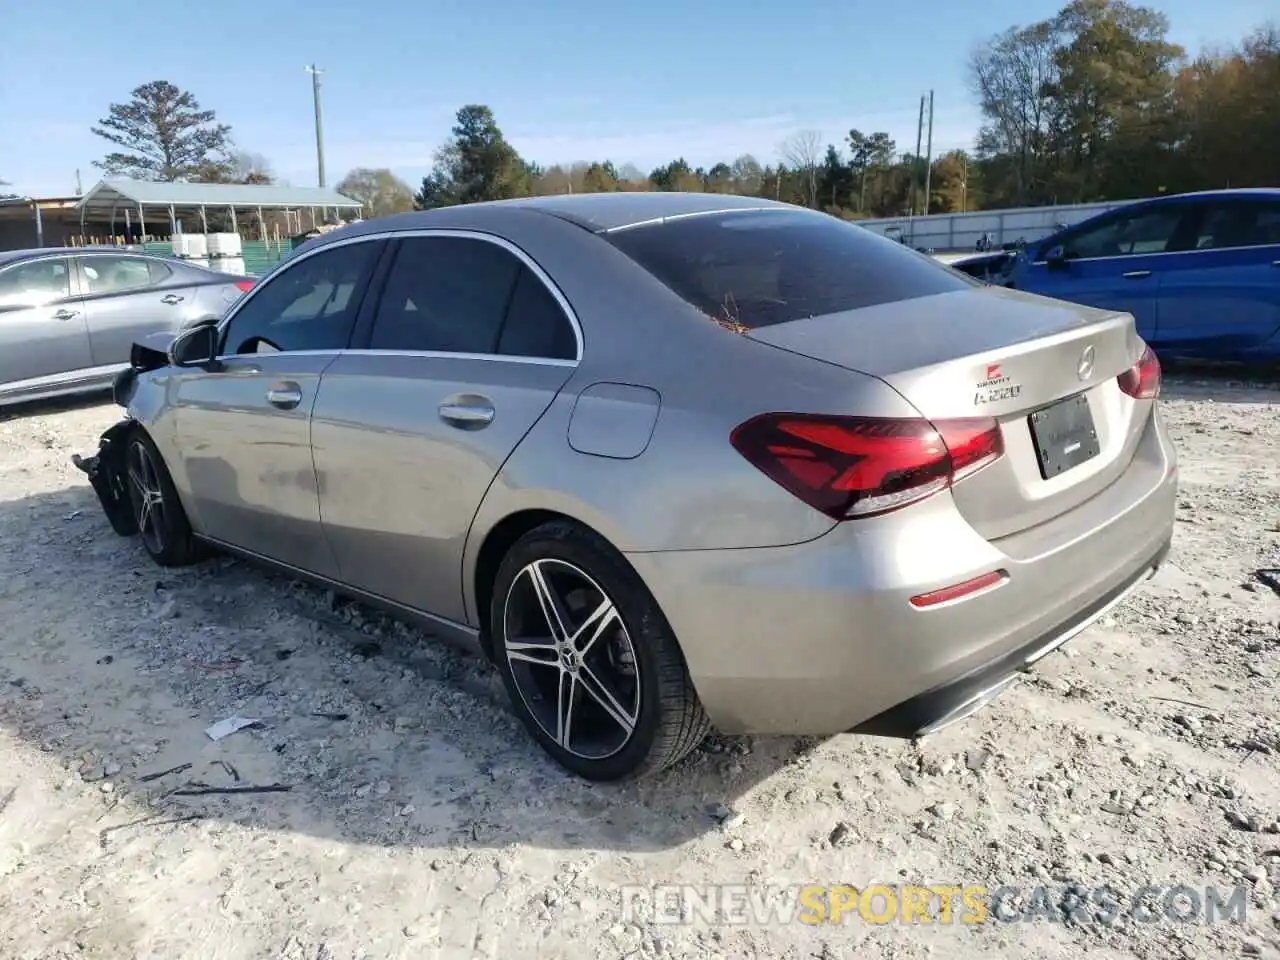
147,496
572,659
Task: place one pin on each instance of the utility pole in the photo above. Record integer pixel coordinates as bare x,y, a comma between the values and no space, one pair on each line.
79,190
315,94
928,158
915,160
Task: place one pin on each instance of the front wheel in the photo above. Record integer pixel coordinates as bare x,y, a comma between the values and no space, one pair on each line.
162,523
589,662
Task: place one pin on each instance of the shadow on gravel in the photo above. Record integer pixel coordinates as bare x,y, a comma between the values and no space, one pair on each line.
367,730
1202,381
42,408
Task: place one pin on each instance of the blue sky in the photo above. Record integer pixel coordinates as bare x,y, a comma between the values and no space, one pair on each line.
568,80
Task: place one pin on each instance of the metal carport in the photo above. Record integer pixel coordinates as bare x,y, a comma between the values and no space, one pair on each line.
173,201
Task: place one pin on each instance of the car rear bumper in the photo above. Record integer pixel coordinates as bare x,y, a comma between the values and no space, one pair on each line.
821,637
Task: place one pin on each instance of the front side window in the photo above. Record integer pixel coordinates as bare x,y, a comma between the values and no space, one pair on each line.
445,295
35,283
1126,235
116,274
310,305
756,268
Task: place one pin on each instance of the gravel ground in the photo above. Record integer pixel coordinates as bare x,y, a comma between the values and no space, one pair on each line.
421,822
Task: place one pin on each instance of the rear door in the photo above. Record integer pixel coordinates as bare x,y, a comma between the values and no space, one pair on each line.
127,298
42,324
245,431
1113,262
468,346
1221,297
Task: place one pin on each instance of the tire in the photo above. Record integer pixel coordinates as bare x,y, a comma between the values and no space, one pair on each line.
634,657
163,527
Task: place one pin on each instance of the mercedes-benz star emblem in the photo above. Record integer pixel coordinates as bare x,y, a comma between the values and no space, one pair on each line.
1084,369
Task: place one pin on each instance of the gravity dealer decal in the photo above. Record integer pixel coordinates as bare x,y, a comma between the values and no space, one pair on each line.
995,386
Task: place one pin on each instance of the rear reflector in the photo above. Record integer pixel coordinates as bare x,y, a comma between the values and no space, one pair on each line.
958,590
244,286
1142,380
860,466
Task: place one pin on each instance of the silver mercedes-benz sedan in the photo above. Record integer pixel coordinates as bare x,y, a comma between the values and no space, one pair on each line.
69,317
669,460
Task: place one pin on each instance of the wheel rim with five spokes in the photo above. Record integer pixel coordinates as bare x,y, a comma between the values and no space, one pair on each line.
147,496
572,659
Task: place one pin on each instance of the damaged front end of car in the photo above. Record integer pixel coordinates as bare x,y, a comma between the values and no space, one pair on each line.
108,469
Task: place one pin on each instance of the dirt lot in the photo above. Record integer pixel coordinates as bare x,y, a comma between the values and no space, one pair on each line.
421,822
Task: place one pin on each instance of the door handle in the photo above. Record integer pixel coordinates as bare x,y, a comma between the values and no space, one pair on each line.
1136,274
286,396
1275,263
171,299
65,314
468,416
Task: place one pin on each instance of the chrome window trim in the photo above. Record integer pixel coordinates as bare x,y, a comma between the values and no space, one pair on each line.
574,323
1164,253
42,258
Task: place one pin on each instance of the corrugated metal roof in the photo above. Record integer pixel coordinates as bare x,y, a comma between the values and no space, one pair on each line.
113,192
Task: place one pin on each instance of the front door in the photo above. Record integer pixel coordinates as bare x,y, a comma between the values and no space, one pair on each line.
468,347
245,428
43,338
1112,264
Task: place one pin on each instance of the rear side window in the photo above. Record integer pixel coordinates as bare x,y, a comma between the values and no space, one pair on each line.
116,274
536,325
758,268
1239,224
445,295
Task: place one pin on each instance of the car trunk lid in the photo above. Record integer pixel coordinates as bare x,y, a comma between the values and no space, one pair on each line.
1044,369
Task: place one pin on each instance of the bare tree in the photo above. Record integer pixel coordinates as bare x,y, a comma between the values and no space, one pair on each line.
803,152
380,190
251,168
1013,76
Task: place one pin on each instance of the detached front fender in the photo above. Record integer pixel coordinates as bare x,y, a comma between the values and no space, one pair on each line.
108,473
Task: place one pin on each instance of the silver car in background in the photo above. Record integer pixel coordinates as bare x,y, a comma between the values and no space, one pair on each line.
69,317
669,460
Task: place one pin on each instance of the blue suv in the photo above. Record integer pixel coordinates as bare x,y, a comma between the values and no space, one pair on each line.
1200,272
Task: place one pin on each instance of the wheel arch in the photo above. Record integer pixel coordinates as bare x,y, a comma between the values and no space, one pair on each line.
497,542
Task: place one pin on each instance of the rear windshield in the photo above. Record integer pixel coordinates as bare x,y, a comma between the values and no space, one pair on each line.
757,268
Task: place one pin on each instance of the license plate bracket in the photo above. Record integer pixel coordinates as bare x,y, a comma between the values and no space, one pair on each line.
1064,435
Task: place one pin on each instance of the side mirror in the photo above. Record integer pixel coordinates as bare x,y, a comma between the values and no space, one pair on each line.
197,347
1056,257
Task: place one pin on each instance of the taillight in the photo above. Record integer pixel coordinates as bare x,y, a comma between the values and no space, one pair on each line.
1142,380
859,466
244,286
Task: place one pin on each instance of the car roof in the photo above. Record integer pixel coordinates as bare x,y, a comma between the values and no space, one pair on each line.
597,212
611,211
1199,196
1266,193
8,256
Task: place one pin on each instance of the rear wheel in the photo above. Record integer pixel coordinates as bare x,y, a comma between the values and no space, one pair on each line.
162,523
591,665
